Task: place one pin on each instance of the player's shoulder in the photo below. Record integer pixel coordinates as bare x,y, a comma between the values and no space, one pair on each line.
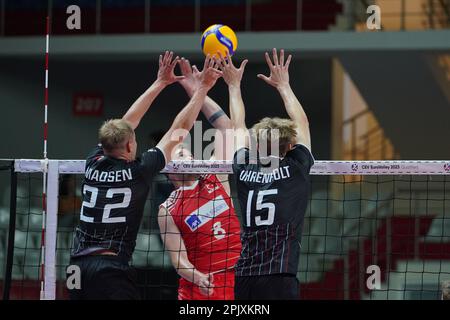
301,156
170,203
152,160
241,155
243,158
95,155
149,164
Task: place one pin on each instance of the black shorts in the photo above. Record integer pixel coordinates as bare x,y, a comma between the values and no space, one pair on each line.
268,287
105,278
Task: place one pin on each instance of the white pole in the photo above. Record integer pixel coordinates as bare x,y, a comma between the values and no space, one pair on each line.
51,228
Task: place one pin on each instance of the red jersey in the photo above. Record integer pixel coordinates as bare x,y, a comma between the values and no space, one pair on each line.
205,216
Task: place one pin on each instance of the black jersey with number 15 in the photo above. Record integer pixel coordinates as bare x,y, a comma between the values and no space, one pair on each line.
114,195
273,204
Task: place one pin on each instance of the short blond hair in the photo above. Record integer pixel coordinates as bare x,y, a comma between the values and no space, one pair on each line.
114,133
286,130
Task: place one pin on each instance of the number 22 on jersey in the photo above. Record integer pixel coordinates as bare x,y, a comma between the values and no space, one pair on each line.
106,217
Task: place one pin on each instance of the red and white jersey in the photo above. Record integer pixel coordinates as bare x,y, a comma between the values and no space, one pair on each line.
205,216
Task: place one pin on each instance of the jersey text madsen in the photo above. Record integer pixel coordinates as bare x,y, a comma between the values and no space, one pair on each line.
260,177
108,176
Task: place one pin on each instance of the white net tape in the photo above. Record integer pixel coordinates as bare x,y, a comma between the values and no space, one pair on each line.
324,168
320,167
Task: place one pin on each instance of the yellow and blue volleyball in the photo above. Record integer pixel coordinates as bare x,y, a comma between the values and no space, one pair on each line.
219,38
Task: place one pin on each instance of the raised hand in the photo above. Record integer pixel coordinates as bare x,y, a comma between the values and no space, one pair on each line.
279,73
166,73
209,75
189,82
231,75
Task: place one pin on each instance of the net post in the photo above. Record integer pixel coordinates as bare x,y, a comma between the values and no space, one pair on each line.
51,224
11,234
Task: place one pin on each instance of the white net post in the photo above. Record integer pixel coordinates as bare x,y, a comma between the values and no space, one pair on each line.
51,219
51,225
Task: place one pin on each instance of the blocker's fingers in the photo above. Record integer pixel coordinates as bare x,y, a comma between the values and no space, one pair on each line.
160,60
188,65
288,61
182,65
194,69
206,64
282,57
185,66
174,62
269,62
263,77
220,58
218,66
212,62
217,72
243,64
166,54
228,59
275,56
169,60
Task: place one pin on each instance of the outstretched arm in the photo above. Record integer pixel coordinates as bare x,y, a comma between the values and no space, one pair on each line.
185,119
279,78
174,244
165,77
233,77
212,111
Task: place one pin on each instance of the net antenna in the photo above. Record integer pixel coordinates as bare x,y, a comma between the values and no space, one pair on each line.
45,162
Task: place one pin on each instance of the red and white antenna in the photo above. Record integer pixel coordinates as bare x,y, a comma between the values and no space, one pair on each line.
45,162
47,42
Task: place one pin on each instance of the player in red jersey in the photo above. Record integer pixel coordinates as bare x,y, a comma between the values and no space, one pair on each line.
198,223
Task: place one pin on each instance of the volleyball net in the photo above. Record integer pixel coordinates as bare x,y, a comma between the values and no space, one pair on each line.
372,230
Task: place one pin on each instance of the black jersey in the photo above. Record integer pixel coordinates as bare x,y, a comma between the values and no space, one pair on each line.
114,195
273,204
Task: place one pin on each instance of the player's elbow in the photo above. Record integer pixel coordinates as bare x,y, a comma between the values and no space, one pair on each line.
302,121
182,123
181,267
224,124
239,125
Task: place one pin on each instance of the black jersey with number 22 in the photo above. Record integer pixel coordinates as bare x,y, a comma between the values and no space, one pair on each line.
114,195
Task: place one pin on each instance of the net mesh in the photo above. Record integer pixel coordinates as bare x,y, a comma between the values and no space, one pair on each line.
398,223
26,262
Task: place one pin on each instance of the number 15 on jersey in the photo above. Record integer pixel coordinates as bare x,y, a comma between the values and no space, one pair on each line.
260,205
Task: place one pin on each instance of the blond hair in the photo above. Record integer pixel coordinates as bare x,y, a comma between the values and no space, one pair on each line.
114,134
286,130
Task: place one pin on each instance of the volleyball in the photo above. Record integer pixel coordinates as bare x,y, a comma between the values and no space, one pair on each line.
219,38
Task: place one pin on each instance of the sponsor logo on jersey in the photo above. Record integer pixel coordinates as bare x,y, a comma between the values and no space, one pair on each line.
206,212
